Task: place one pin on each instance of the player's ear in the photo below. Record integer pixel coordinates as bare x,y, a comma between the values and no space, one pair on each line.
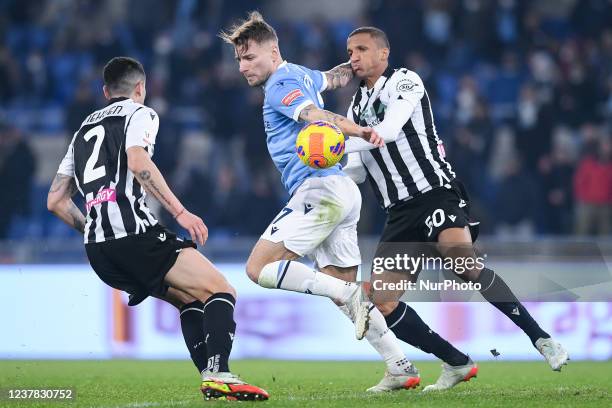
384,54
105,91
139,89
275,51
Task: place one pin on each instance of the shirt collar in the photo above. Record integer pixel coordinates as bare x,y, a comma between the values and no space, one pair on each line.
117,99
385,75
282,64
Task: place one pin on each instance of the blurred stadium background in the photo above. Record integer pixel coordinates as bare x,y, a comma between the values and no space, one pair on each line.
522,95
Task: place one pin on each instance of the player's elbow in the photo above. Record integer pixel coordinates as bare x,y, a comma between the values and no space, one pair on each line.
135,165
53,202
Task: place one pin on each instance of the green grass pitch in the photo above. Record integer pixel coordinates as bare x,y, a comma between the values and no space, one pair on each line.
135,384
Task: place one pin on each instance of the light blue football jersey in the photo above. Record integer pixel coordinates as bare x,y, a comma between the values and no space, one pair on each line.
288,90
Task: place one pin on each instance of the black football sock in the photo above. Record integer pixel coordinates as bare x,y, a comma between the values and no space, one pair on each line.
496,292
192,325
219,329
409,327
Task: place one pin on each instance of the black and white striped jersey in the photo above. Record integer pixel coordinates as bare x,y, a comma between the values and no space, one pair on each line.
412,162
97,159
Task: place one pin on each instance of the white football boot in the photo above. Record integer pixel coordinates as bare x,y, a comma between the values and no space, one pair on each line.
453,375
410,378
553,352
359,310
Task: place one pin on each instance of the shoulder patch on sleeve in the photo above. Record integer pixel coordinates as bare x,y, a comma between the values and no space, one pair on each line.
405,85
291,96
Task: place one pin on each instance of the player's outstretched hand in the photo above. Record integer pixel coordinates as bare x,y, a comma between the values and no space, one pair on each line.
370,135
194,224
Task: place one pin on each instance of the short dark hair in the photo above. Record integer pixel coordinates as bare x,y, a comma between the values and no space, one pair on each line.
376,33
121,74
253,28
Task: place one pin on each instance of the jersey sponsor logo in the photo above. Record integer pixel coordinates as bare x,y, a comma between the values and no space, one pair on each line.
273,229
107,194
405,85
452,217
307,208
162,236
291,96
462,203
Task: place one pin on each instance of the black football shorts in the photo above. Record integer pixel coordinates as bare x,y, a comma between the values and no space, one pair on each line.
137,264
422,218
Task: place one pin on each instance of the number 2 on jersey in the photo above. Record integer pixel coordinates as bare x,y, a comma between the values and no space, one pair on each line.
90,174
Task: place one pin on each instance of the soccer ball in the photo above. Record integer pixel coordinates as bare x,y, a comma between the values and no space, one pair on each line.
320,145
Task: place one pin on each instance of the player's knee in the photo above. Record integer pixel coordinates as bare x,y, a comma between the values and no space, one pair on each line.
230,289
386,307
221,285
253,269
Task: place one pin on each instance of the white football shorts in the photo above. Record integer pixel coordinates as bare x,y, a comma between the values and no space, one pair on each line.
320,221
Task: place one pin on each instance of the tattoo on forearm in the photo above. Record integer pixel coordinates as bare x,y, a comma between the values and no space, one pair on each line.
149,185
59,182
308,115
339,76
78,220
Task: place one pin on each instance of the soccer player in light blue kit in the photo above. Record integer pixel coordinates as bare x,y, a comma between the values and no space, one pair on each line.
320,219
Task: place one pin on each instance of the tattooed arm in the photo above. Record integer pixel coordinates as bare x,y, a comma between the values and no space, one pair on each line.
311,114
151,179
59,202
339,76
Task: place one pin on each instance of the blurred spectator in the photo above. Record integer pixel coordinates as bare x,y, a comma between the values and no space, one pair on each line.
229,208
17,166
534,126
262,204
593,188
557,170
467,158
9,75
83,104
516,201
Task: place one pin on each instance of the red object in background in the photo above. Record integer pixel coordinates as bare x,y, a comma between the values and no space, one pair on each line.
593,182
